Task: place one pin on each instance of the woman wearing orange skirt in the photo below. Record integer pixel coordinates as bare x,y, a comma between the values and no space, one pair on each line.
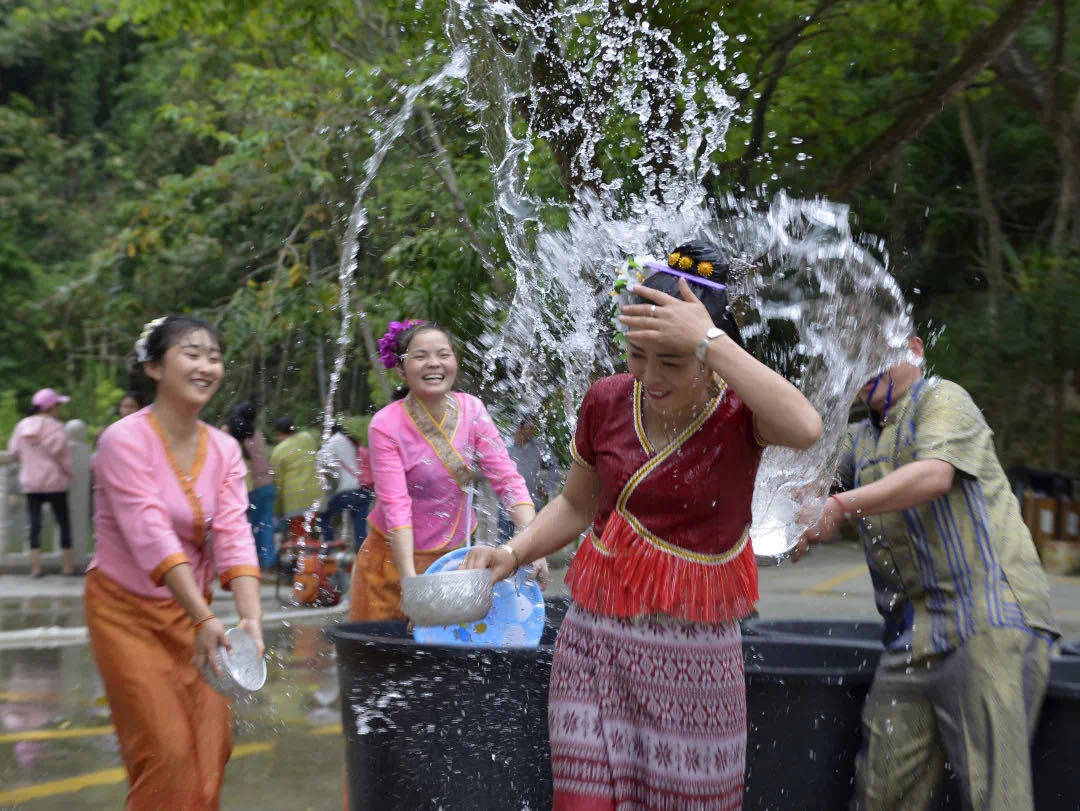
423,450
167,488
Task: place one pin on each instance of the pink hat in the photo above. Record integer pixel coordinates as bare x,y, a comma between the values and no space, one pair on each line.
47,398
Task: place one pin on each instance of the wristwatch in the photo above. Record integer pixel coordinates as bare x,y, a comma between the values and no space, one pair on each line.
703,347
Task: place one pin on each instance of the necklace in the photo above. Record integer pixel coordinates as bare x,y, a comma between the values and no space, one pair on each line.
664,426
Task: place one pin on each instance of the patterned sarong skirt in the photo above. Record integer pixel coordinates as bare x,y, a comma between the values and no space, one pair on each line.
647,714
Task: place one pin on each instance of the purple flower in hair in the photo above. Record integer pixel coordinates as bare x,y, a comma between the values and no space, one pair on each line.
388,343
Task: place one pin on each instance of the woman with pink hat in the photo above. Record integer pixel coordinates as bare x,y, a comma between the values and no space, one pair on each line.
40,444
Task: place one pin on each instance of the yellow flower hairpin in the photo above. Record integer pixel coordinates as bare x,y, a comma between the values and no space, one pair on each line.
685,262
673,259
705,269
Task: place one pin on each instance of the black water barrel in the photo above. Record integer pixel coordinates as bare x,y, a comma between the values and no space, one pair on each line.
804,700
444,727
860,632
1057,739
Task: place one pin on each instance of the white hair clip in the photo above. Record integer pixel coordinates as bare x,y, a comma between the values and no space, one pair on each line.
141,354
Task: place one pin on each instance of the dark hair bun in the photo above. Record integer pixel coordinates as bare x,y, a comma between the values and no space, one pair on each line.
700,254
715,301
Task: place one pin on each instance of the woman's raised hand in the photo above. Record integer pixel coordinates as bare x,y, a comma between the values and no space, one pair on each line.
666,323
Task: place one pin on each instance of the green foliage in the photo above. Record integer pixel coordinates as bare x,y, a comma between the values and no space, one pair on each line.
203,156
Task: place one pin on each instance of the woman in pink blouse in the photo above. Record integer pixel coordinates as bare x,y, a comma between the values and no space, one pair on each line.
424,451
170,507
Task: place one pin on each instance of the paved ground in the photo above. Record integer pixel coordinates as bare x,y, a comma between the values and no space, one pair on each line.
57,749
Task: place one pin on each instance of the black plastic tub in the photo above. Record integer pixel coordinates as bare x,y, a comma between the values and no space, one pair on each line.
443,727
466,728
1056,746
804,699
859,632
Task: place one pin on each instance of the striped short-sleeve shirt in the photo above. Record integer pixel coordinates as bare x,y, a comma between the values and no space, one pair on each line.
963,563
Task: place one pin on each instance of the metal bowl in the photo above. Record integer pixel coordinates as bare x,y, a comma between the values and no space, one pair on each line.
447,598
243,671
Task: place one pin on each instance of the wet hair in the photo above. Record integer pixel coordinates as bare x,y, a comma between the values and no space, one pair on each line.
402,348
285,425
242,421
715,301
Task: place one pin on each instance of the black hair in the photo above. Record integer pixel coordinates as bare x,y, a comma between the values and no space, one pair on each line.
406,337
134,395
242,421
401,348
715,301
170,331
285,425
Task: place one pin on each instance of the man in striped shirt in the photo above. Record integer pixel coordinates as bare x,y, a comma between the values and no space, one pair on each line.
966,604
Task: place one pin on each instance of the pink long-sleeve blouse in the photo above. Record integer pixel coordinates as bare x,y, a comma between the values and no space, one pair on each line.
150,516
414,489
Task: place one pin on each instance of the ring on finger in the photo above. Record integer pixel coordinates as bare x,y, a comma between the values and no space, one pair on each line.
652,311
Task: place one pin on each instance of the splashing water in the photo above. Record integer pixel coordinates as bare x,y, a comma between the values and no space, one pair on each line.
601,90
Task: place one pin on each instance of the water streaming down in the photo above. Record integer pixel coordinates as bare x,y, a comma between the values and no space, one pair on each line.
813,300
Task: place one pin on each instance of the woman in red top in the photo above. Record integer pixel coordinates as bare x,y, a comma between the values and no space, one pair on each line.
647,702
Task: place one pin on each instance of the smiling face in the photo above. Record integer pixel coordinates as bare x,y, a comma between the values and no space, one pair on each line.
672,383
430,365
190,372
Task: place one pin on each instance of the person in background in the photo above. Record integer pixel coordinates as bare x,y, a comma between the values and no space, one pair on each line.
968,620
298,490
40,445
345,454
169,513
541,475
260,480
129,404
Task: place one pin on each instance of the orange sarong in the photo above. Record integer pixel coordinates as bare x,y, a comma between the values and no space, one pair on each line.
175,731
375,593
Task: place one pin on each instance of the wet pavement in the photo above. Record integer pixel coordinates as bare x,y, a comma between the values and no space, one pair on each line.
58,750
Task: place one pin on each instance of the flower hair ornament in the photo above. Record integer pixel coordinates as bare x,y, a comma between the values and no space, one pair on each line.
388,343
141,353
638,270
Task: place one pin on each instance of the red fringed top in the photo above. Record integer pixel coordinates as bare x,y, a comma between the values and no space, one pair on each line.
671,535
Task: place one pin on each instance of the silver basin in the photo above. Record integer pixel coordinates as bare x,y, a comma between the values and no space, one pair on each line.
447,598
243,671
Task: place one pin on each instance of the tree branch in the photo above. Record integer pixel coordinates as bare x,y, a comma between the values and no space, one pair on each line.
981,50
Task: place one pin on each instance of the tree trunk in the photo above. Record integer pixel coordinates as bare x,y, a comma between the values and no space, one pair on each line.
373,352
320,350
994,267
981,50
446,172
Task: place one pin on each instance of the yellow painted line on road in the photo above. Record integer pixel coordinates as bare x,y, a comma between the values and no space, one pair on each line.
66,786
838,580
55,734
7,696
105,777
333,729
